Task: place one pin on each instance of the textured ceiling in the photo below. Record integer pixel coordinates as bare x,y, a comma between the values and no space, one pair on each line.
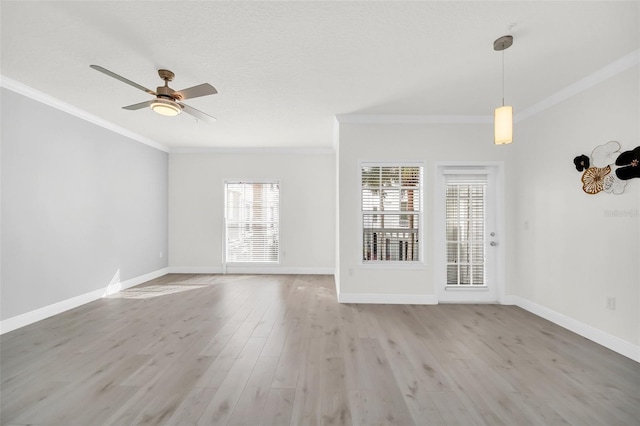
285,69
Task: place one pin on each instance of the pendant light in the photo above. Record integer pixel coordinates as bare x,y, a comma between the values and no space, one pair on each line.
503,116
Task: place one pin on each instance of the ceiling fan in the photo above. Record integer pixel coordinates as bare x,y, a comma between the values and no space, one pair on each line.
167,101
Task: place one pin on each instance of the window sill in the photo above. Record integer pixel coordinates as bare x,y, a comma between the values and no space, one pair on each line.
466,288
393,265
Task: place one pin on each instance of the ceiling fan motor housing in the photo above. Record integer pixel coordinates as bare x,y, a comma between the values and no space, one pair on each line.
167,93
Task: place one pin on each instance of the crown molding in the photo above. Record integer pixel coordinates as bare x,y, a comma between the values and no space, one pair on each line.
413,119
624,63
244,151
616,67
36,95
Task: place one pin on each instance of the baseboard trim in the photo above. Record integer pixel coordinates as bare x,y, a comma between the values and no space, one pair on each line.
257,270
39,314
194,270
605,339
389,299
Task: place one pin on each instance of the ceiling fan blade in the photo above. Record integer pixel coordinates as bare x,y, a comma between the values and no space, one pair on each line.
122,79
138,106
203,89
197,114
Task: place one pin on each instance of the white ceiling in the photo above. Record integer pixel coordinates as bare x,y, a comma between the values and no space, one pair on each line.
285,69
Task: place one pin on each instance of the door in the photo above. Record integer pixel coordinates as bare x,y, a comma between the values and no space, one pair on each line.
470,241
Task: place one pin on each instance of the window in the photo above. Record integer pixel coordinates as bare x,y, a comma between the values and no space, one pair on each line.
466,208
252,222
391,212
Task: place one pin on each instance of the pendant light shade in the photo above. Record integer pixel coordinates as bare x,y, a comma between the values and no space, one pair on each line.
503,125
503,116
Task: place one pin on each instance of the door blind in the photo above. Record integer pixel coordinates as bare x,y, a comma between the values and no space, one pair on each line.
465,229
252,221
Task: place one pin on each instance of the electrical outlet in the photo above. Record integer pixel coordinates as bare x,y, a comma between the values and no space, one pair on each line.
160,254
611,303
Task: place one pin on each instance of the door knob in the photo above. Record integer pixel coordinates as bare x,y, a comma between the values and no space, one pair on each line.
493,244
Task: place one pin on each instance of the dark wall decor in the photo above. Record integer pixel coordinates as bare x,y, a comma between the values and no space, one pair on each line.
630,160
608,169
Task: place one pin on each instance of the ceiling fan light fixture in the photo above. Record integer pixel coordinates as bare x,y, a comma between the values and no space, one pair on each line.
166,107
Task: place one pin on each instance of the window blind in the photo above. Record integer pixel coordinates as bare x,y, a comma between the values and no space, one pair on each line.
391,212
465,223
252,222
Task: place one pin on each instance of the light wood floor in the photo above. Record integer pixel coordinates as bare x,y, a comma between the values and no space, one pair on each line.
279,350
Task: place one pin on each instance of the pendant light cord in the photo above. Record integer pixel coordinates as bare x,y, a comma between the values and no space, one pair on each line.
503,77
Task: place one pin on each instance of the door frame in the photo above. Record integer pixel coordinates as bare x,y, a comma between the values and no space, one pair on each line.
439,225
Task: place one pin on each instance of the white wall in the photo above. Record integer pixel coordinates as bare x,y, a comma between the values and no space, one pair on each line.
307,208
567,251
82,207
575,253
429,143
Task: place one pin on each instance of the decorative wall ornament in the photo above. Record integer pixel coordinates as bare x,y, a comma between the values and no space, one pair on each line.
593,179
630,160
613,185
581,162
608,170
606,154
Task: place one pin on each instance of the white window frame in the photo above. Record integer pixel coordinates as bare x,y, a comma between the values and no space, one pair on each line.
393,264
225,259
